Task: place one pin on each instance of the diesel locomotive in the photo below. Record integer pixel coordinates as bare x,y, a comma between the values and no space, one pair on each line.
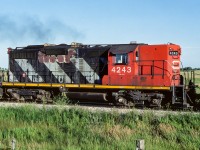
134,74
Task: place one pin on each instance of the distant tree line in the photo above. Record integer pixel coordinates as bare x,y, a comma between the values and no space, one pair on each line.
3,69
189,68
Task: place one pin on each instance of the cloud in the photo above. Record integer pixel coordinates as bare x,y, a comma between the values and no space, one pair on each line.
23,29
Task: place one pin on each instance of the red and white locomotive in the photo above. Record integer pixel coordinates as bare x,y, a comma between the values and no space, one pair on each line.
132,74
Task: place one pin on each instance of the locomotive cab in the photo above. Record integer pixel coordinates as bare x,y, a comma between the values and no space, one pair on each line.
143,65
121,67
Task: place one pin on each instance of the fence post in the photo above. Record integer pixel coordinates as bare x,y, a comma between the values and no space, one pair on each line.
140,144
13,144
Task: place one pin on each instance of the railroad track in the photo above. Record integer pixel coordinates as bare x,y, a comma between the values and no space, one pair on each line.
97,108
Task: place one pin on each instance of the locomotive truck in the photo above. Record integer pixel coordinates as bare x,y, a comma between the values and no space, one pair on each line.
134,74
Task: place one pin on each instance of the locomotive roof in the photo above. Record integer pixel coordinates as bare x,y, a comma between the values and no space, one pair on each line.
119,49
62,49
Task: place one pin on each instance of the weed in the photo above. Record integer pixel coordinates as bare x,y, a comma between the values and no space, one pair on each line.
61,100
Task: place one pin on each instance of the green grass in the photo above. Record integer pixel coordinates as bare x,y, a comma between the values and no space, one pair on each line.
76,129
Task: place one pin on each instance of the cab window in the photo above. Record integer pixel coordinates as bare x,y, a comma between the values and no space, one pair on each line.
121,59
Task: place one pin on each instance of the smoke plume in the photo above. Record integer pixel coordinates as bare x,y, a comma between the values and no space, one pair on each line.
27,29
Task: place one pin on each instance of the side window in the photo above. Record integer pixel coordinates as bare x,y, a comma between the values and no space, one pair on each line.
121,59
136,56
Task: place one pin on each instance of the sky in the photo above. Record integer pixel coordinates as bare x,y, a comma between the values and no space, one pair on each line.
30,22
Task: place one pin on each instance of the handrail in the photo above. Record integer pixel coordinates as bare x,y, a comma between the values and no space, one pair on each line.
163,65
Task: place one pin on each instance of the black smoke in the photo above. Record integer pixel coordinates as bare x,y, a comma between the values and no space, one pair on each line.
23,29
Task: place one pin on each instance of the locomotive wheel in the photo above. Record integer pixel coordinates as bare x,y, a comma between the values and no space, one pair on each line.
156,103
43,96
122,101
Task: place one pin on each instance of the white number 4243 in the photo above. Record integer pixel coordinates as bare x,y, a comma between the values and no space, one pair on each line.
121,69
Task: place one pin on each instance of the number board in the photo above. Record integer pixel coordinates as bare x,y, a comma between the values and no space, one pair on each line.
173,53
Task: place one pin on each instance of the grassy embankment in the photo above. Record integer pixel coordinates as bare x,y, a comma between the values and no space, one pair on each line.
77,129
